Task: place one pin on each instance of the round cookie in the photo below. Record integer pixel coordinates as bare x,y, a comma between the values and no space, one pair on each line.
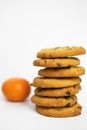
54,102
59,62
60,112
61,52
62,72
42,82
58,92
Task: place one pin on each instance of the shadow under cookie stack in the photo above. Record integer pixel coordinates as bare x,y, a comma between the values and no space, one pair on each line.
59,82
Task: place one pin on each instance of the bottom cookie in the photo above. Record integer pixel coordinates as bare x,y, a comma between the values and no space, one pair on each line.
60,112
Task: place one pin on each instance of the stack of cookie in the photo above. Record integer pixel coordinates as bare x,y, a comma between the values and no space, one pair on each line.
59,82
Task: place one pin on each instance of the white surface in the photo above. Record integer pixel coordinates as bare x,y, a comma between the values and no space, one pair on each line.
26,27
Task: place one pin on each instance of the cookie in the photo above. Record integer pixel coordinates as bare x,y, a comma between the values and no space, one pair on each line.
58,92
42,82
60,112
62,72
61,52
54,101
59,62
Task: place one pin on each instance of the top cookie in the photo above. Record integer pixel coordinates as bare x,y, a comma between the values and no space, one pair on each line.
61,52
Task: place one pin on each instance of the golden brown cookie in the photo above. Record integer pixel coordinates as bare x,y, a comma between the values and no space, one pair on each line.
58,92
61,52
54,101
60,112
62,72
59,62
42,82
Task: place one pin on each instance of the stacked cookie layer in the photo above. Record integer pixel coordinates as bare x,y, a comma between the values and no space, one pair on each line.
59,82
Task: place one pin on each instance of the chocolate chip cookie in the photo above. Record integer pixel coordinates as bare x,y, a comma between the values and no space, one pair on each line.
42,82
60,112
59,62
54,101
61,52
62,72
58,92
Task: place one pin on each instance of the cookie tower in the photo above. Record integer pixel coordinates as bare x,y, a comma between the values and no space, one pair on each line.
59,82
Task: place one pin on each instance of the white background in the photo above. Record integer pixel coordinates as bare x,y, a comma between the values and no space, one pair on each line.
25,28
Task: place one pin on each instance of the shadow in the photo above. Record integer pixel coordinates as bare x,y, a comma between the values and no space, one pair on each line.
29,104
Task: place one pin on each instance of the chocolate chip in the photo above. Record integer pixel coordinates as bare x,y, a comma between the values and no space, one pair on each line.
74,86
31,84
45,61
40,89
59,65
68,105
68,93
79,107
50,56
67,97
72,98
